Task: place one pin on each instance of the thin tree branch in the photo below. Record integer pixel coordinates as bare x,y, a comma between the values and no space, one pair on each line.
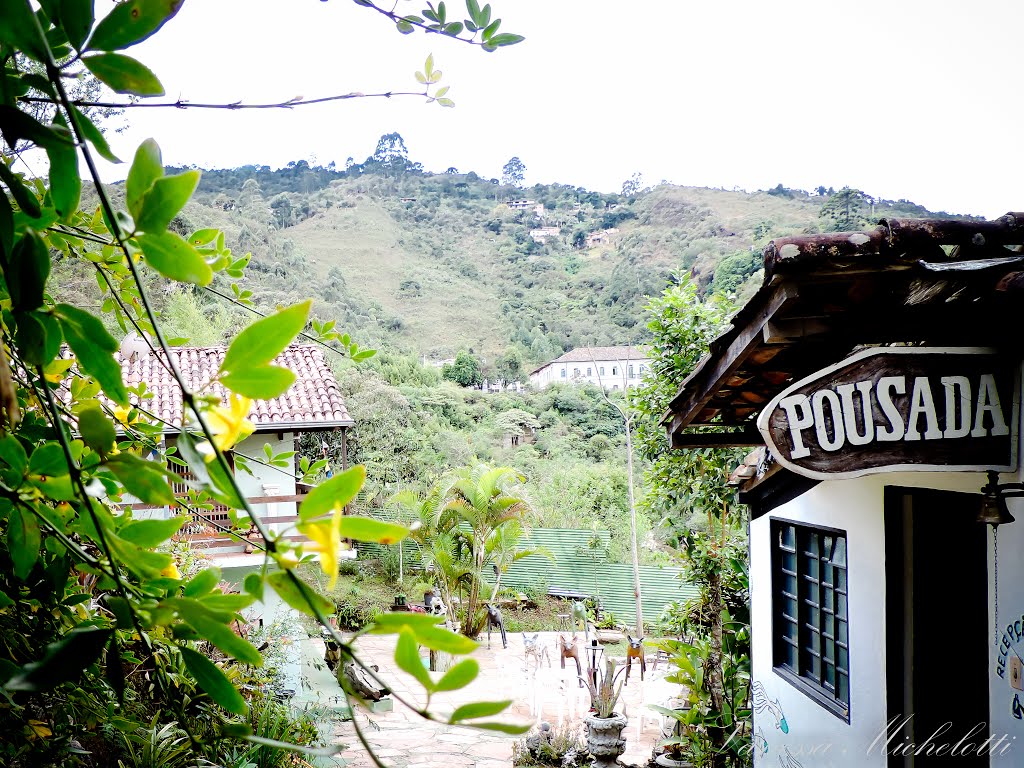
397,17
234,105
258,313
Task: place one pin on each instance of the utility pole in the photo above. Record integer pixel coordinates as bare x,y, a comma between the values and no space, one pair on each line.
627,421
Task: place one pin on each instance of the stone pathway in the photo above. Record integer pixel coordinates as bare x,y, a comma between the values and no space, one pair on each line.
404,740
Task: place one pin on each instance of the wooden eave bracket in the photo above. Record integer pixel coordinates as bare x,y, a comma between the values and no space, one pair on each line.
714,370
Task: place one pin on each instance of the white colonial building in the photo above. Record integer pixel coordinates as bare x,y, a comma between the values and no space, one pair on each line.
608,367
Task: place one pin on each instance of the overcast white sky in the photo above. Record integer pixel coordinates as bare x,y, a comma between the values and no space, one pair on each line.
916,99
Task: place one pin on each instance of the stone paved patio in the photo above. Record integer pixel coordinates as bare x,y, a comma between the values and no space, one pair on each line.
404,740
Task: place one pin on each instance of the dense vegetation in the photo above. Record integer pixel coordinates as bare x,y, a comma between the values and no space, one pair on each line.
116,647
432,263
413,428
114,650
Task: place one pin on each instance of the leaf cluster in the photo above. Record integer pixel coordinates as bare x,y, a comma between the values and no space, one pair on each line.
99,626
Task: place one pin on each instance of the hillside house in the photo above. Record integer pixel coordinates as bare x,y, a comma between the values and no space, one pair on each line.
520,205
610,367
543,234
602,237
881,371
312,404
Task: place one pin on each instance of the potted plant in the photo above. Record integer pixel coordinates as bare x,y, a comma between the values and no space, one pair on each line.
604,724
676,747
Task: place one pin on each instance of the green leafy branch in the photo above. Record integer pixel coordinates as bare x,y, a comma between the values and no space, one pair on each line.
478,29
65,483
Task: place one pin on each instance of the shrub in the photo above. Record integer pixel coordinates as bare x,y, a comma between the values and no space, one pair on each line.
561,746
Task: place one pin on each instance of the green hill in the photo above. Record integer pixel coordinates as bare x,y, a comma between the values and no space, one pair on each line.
433,263
424,265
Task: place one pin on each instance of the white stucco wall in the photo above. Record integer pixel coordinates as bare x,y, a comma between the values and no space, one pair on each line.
552,373
816,737
268,481
275,613
1010,602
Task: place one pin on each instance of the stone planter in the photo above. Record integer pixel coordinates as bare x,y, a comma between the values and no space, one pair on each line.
609,636
668,761
604,739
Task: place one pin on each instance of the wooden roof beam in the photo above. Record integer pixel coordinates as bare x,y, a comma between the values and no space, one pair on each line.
748,437
711,373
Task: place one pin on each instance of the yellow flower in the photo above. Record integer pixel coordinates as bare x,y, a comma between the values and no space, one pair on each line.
287,560
325,536
171,570
38,730
229,425
123,415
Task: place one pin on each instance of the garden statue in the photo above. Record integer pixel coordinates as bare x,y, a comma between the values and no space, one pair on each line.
579,613
494,620
532,646
360,683
568,649
635,650
332,651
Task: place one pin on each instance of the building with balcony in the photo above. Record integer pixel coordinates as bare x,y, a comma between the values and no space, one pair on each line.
312,404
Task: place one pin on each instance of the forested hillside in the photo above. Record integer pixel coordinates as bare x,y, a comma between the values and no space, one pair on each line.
433,263
424,266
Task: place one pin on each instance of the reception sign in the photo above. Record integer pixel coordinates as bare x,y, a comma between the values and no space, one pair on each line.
898,409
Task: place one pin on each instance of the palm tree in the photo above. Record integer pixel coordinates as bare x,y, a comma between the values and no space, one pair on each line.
503,549
451,568
484,499
438,542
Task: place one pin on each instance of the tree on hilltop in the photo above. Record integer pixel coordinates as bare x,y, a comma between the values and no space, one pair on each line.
513,173
465,371
844,211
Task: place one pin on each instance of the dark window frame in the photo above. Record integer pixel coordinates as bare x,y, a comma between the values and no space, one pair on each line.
811,650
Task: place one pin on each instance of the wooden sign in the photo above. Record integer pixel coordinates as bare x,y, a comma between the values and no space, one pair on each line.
898,409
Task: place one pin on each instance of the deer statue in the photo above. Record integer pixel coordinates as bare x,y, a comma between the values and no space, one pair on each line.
532,646
579,613
635,650
568,649
494,620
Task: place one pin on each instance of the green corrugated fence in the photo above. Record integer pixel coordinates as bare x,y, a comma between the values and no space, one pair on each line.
578,563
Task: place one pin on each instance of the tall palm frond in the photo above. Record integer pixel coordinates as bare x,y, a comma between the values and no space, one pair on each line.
484,498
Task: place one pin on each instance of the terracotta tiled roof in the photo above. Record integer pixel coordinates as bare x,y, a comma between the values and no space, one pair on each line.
313,402
587,354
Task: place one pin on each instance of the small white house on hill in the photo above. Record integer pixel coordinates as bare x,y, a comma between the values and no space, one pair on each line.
608,367
312,404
